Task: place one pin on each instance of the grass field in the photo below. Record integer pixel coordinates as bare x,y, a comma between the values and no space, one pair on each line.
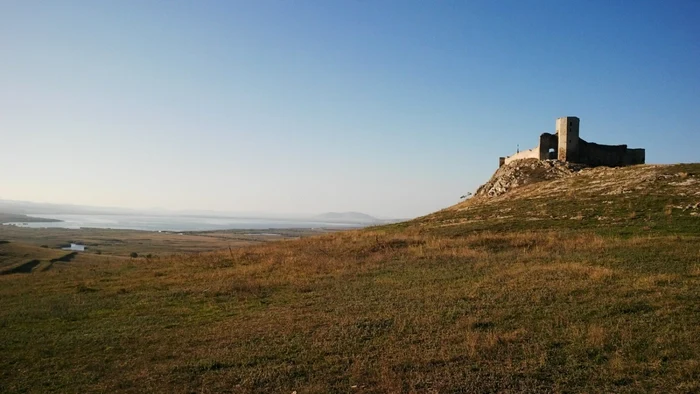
527,292
124,242
24,258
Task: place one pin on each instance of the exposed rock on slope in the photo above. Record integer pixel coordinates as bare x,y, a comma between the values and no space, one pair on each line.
525,172
640,197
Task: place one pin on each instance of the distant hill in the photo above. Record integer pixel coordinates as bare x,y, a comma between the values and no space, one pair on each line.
20,218
352,217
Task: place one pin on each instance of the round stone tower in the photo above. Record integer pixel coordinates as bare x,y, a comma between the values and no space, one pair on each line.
567,131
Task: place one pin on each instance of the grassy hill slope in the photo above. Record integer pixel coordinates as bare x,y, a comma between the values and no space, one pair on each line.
621,201
588,282
23,258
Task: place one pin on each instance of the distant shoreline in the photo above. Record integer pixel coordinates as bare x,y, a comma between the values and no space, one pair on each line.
177,224
20,218
122,242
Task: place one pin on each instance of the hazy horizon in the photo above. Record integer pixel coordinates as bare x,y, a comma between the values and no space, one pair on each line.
394,109
11,206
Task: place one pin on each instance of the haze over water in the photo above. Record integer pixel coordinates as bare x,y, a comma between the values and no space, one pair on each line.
176,223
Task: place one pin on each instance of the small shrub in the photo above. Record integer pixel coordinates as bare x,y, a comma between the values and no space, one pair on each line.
134,255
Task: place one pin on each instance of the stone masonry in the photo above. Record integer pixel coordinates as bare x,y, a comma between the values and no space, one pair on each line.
566,145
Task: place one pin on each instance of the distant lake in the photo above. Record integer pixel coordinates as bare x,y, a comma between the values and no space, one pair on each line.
174,223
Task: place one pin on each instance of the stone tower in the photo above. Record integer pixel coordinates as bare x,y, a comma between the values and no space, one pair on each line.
567,130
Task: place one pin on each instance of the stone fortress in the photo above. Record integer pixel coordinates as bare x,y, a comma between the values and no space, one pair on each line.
566,145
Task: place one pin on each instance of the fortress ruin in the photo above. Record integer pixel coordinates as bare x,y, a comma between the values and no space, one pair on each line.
566,145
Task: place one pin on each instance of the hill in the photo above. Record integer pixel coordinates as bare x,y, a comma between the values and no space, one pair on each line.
349,217
21,218
588,281
533,194
23,258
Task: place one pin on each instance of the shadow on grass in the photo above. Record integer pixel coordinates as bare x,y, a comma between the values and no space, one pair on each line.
64,259
22,269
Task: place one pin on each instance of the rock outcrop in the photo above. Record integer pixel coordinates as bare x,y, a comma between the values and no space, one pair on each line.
525,172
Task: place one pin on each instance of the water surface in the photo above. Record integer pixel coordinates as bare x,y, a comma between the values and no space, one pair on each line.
173,223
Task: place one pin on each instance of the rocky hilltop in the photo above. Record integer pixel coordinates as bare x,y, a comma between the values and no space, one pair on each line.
557,177
525,172
554,193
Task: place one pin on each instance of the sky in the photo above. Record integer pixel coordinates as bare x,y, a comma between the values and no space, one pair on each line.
392,108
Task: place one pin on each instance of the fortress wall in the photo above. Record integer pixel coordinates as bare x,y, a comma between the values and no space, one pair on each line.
547,142
541,151
566,145
635,156
602,155
533,153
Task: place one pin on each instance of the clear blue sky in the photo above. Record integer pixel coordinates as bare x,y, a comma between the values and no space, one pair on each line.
392,108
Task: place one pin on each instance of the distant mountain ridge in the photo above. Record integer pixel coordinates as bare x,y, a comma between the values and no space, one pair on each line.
351,217
34,208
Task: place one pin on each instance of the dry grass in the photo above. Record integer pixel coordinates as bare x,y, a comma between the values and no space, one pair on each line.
447,303
13,255
537,311
123,242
